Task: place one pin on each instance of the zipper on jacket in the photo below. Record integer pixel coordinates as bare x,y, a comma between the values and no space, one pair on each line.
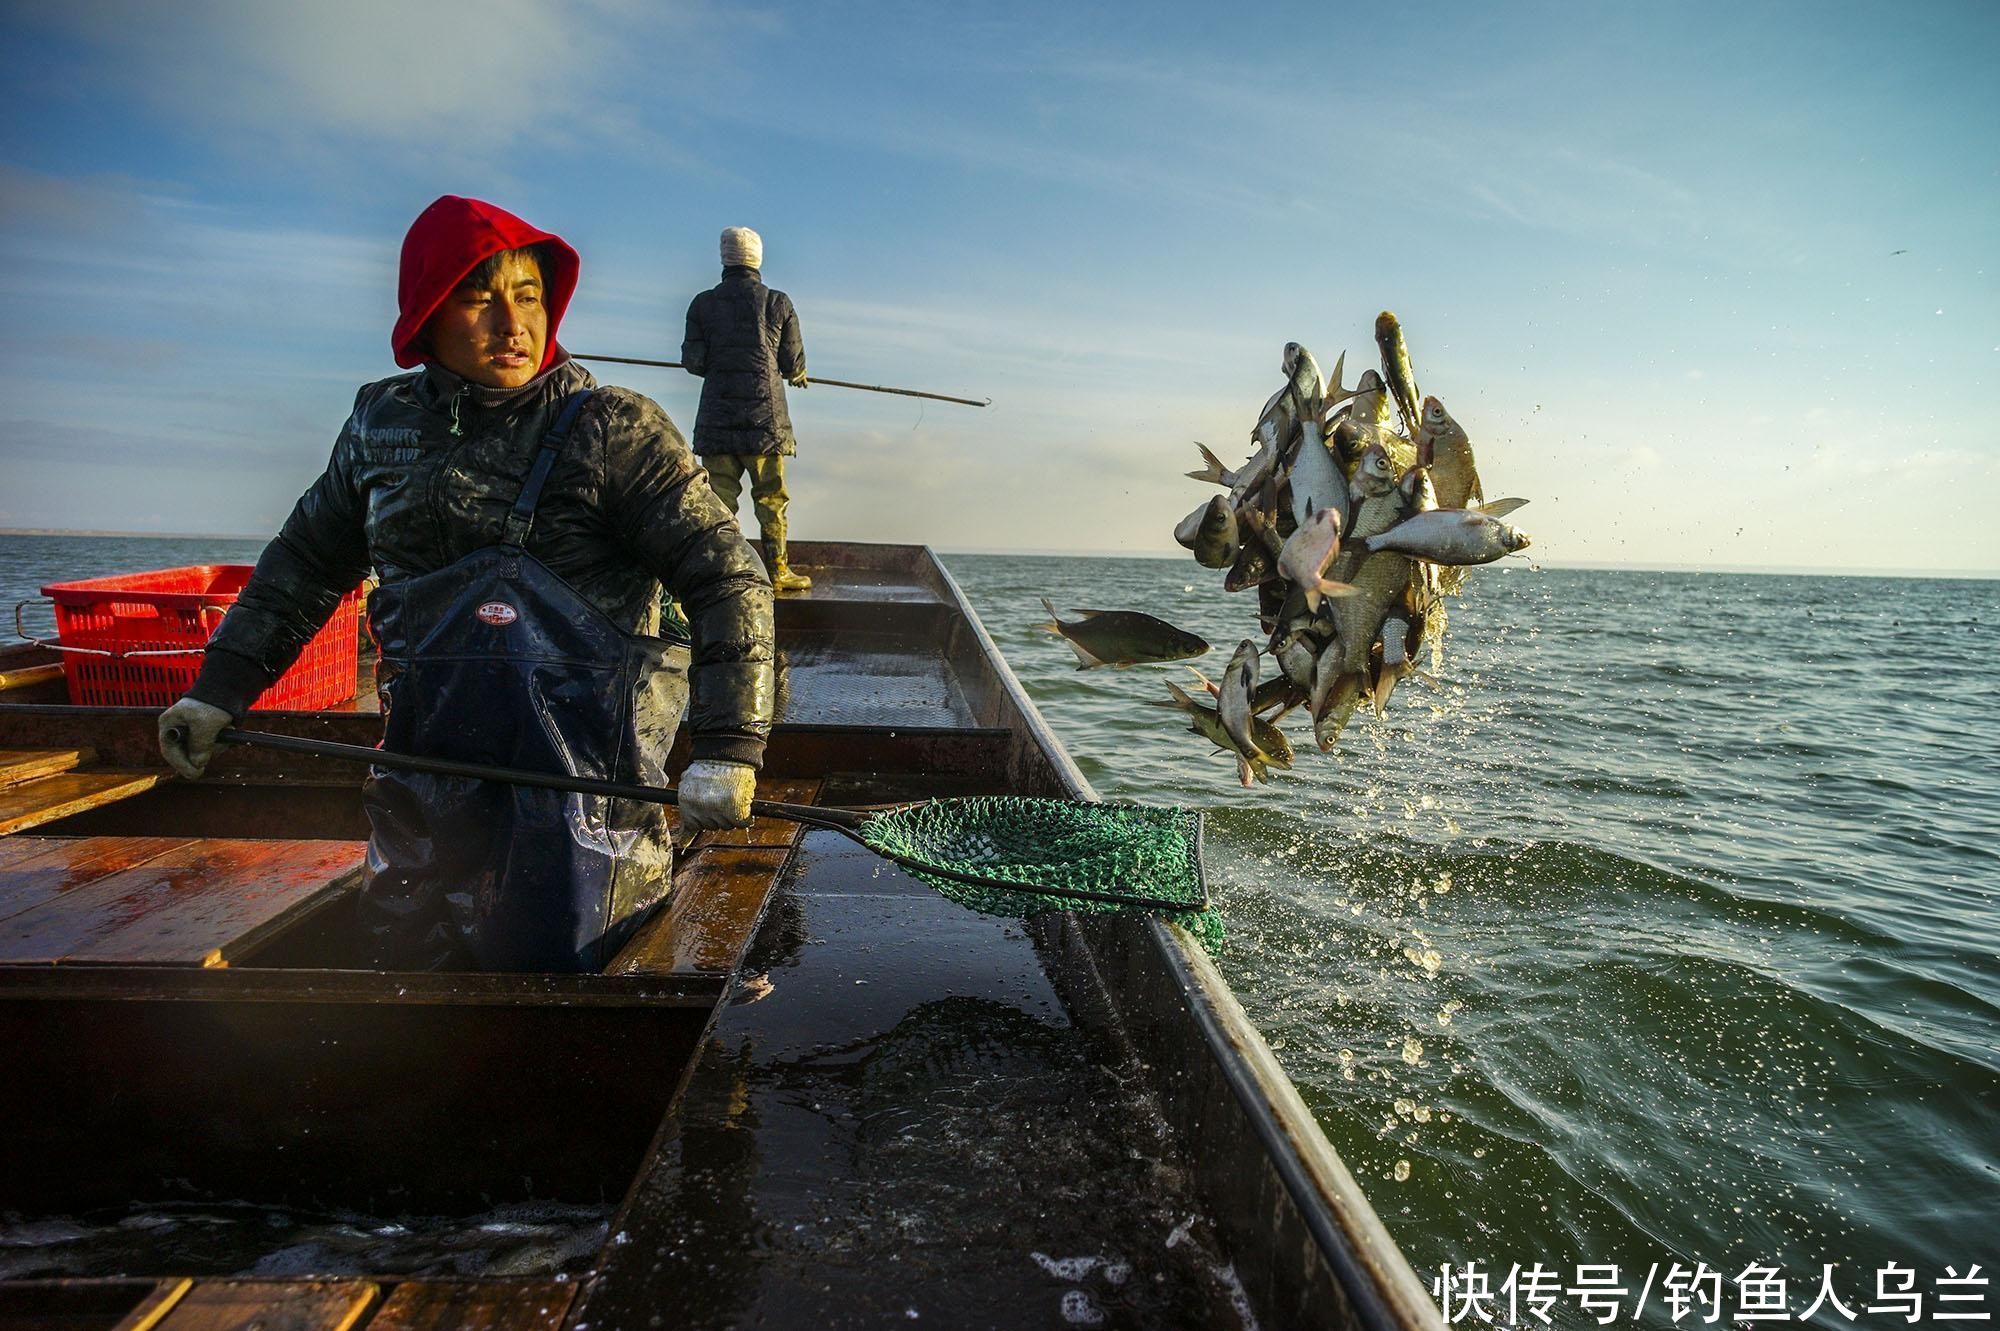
456,398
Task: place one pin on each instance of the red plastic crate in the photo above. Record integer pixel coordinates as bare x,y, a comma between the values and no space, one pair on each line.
177,610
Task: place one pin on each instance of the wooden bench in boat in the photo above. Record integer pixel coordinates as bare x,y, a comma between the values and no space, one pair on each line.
720,893
158,901
41,785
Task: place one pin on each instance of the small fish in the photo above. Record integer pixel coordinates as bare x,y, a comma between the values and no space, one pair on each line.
1335,695
1306,554
1396,368
1232,701
1444,448
1375,475
1207,722
1276,692
1122,638
1395,640
1295,652
1316,477
1297,401
1456,536
1370,404
1255,563
1210,531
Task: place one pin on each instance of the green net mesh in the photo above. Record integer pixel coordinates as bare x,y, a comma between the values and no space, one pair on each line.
983,851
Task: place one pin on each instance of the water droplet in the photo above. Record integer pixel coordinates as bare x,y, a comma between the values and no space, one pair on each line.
1402,1171
1413,1049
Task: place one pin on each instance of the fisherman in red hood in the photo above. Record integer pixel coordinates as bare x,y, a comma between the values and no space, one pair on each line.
521,520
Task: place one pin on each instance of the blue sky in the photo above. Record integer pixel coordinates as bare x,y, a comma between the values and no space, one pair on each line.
1646,254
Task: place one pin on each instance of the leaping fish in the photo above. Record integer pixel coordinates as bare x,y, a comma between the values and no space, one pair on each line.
1456,536
1121,638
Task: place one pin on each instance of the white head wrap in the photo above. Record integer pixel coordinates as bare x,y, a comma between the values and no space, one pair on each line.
742,247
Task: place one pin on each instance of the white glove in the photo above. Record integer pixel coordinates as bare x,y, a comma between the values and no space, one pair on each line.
799,382
187,735
717,793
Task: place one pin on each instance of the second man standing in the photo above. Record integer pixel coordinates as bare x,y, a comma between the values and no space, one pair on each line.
743,342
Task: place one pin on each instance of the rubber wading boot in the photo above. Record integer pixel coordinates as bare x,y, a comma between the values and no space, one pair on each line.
782,577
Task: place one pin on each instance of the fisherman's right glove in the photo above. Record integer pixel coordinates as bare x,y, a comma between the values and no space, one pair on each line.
717,793
187,735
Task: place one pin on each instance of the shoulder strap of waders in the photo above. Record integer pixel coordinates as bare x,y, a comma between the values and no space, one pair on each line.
522,520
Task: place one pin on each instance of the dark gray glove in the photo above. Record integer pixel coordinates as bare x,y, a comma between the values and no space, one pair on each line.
187,735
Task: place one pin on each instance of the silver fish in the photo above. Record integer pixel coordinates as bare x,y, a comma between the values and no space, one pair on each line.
1295,653
1456,536
1395,639
1206,722
1308,551
1298,400
1232,702
1335,694
1317,480
1375,475
1276,692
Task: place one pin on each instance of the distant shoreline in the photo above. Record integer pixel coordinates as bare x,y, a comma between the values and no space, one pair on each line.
1749,570
135,535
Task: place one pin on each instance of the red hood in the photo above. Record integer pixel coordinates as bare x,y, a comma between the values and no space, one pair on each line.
448,240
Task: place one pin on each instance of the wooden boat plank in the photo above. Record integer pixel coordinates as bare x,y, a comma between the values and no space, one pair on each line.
489,1305
185,907
18,765
272,1305
33,869
157,1303
19,679
708,924
33,803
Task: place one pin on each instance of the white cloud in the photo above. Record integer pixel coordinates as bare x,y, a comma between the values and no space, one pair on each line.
445,79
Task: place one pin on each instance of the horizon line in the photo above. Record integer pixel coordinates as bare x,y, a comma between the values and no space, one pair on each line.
1565,565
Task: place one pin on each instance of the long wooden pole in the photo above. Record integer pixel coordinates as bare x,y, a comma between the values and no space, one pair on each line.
836,383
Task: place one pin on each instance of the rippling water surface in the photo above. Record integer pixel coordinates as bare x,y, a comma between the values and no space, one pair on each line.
1667,930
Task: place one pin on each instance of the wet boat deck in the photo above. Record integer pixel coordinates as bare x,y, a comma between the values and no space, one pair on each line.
897,1119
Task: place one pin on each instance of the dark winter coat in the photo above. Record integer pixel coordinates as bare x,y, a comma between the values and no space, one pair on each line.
743,340
626,509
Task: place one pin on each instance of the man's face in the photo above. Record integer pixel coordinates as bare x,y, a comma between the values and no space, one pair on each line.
494,334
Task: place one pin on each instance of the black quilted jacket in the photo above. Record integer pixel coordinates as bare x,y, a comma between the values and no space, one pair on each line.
743,340
626,509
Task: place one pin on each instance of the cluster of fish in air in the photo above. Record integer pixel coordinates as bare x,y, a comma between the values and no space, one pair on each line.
1351,531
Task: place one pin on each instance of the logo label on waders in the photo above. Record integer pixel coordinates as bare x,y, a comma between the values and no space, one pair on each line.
498,612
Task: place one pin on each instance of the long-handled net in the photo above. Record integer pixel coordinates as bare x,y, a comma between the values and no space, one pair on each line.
1002,854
